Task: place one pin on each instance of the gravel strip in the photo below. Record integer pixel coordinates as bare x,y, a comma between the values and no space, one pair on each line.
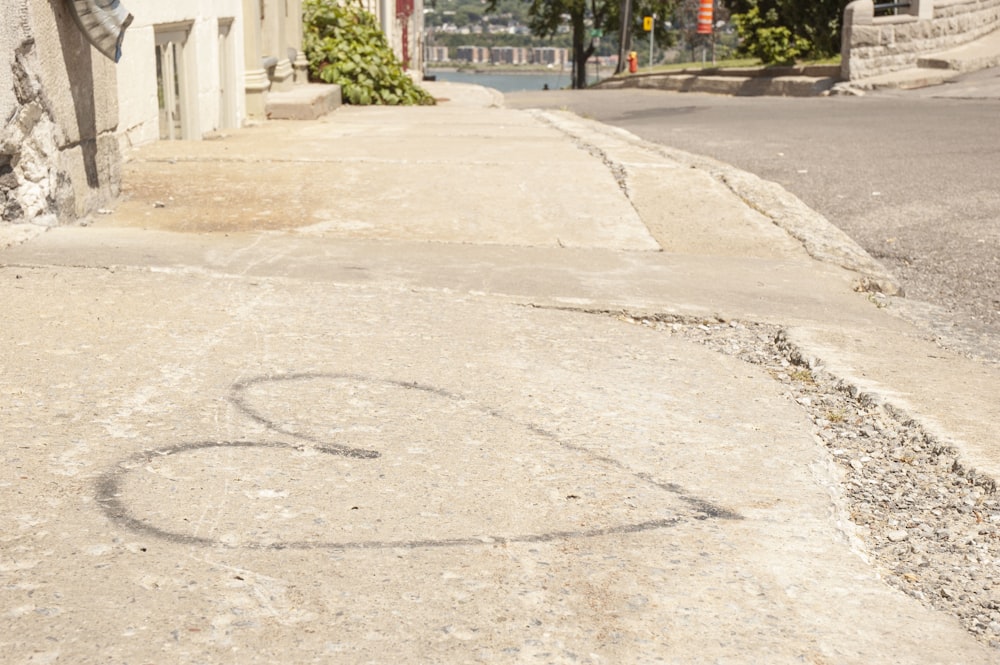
929,523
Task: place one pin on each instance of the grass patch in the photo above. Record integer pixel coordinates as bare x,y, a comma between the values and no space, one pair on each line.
802,375
835,416
732,63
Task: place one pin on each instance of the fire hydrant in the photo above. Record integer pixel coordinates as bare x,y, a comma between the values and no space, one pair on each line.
633,62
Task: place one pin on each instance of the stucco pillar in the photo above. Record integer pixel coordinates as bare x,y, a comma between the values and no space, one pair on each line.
922,9
256,84
387,21
274,42
293,31
857,13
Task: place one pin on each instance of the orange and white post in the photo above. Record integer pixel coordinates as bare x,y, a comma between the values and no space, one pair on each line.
705,13
705,27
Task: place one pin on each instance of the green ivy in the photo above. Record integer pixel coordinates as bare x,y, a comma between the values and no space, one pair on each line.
346,46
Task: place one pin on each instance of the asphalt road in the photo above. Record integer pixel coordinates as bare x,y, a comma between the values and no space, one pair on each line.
913,177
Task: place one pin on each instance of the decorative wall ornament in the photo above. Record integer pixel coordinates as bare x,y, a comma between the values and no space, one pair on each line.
103,22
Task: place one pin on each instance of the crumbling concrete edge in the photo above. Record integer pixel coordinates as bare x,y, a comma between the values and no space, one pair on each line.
15,234
821,239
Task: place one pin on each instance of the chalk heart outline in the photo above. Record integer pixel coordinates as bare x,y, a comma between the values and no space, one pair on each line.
295,406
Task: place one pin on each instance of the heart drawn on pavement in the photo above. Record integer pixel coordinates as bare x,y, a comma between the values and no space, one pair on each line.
360,463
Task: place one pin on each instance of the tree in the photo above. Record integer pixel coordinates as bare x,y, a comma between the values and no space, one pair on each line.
816,21
545,17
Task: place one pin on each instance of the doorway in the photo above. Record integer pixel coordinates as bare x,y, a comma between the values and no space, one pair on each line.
173,87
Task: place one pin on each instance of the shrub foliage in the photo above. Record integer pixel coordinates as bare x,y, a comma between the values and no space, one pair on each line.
346,46
762,38
812,28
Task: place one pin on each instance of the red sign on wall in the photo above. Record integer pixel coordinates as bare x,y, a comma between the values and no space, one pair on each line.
705,17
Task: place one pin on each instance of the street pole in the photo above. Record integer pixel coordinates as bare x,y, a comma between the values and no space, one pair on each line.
652,40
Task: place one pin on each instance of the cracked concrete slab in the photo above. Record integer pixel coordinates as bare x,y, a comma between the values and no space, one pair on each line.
538,482
239,443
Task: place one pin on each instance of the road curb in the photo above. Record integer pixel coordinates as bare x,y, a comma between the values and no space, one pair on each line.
740,86
821,239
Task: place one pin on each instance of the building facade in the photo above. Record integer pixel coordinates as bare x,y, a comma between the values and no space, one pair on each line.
82,81
474,54
510,55
437,54
550,55
192,67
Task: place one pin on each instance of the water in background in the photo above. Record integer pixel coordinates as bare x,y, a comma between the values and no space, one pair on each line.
510,82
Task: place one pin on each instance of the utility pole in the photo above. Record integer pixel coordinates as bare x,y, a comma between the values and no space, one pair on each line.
652,40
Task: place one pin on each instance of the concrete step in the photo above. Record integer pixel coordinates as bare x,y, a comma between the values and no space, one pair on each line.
907,79
303,102
779,86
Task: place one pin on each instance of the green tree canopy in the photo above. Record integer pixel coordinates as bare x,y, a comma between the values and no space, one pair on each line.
816,21
586,19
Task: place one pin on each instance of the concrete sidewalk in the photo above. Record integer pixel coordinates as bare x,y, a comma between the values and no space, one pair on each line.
377,388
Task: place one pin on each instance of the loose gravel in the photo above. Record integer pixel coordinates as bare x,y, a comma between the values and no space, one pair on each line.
928,522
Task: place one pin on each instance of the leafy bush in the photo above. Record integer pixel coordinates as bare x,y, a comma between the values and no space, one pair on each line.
819,21
346,46
763,38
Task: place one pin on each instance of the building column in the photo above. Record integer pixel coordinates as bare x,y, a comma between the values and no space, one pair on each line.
922,9
387,21
293,32
857,13
274,44
255,81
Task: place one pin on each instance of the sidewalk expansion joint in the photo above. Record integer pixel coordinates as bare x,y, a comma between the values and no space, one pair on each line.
906,501
305,160
617,169
112,268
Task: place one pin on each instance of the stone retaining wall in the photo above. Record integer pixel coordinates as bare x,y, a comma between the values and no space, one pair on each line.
879,45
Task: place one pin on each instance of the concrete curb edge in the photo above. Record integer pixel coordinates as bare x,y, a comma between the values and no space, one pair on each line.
821,239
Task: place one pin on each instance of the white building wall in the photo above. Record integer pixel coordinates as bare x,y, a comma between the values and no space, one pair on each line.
139,116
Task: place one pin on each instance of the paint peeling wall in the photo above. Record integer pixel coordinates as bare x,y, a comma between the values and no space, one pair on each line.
59,157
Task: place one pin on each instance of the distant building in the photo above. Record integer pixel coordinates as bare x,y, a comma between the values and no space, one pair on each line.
437,54
550,55
472,54
509,55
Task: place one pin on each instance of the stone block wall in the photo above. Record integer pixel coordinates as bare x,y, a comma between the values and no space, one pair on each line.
59,156
878,45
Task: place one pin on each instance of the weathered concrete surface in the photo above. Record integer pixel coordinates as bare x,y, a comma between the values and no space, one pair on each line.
411,442
333,169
